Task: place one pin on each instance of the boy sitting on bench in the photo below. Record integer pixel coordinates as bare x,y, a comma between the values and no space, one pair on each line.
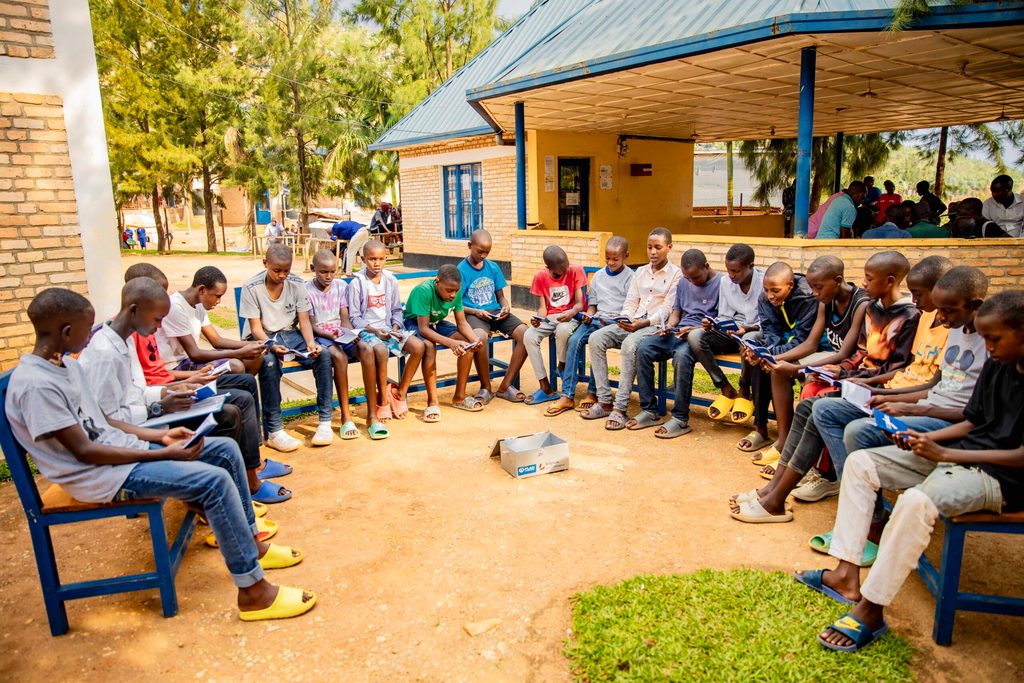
276,308
56,419
973,465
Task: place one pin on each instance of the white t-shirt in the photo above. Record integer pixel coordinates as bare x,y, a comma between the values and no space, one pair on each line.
734,304
1009,218
43,398
183,320
961,365
275,314
376,306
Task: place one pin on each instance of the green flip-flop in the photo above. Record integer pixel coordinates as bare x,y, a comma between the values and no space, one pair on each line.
349,426
822,542
378,431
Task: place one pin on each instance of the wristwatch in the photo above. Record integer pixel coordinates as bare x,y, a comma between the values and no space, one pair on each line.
156,409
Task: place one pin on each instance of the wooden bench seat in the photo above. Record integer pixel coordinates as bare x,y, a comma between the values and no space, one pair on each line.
56,499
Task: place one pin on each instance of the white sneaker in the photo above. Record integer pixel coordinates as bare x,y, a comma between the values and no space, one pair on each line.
324,435
814,487
282,441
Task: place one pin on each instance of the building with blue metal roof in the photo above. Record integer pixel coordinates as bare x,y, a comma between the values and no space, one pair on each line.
609,96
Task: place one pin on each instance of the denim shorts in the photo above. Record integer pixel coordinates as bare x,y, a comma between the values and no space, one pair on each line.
442,327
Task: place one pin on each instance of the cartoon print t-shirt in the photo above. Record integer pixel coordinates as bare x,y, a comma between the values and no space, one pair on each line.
480,285
962,361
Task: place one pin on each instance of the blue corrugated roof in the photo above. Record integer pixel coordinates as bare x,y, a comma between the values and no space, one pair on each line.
558,40
611,35
445,114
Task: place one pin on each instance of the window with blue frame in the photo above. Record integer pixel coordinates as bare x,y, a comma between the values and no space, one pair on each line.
463,200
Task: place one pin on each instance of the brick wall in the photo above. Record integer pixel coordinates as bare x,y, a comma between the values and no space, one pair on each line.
40,245
423,204
25,29
1001,260
583,249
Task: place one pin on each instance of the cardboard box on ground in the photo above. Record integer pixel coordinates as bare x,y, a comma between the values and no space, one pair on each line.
533,454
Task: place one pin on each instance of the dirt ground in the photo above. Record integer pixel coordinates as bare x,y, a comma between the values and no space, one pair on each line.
409,539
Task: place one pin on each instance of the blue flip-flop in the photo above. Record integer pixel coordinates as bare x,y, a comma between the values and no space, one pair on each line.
274,469
821,543
812,579
856,630
538,397
270,493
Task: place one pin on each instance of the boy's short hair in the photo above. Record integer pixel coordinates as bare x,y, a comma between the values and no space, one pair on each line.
779,268
209,277
279,253
374,245
827,265
892,263
555,255
140,290
894,213
138,270
663,233
967,281
56,305
740,253
930,269
324,256
1008,306
619,244
480,235
693,258
450,274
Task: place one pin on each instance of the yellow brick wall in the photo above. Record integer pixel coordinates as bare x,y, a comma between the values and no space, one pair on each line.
25,29
40,245
583,248
423,206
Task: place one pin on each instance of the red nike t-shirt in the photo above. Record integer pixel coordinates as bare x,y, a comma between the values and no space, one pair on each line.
152,365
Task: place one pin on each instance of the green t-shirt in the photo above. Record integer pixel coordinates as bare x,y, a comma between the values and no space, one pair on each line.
423,300
924,230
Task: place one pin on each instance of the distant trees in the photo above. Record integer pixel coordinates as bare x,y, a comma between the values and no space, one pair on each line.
256,93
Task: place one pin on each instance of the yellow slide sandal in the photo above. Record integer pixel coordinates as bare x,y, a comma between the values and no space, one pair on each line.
768,456
259,509
742,409
265,530
287,604
721,408
280,557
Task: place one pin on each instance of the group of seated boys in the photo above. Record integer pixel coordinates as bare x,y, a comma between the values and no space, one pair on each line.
917,393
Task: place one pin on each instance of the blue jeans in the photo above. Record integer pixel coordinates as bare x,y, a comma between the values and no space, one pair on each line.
217,483
575,355
656,348
270,381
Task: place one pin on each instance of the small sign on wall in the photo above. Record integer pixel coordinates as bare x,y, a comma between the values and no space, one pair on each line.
572,198
606,176
641,170
549,173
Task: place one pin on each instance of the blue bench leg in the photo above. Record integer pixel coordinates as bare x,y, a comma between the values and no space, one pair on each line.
949,584
662,387
162,558
49,579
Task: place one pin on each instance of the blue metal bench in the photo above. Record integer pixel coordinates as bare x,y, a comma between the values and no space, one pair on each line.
56,506
944,583
663,391
497,367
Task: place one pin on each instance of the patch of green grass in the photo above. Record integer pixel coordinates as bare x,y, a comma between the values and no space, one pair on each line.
223,317
740,625
5,471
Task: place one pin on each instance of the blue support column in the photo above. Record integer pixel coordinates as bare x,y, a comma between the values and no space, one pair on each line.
837,183
804,141
521,164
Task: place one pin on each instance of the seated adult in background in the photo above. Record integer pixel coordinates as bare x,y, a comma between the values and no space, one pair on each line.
922,228
866,211
381,225
937,206
837,223
274,232
1004,208
894,218
356,234
814,221
970,223
887,199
